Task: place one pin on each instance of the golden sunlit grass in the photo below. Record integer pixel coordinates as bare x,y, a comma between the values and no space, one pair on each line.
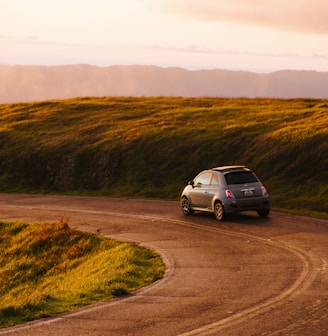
150,147
46,269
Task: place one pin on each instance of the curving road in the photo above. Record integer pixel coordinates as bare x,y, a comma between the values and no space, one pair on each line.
246,276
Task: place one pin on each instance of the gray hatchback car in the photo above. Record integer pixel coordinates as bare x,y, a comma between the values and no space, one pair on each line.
225,190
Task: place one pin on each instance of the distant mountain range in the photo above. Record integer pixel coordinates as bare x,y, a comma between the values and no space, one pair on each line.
35,83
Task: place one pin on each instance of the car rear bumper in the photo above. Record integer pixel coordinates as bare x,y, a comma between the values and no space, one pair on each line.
257,203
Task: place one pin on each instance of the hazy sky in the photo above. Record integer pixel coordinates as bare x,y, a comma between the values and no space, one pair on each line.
254,35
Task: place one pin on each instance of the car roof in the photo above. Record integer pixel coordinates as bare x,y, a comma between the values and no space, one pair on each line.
225,169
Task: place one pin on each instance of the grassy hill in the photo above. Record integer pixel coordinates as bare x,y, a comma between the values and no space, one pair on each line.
48,268
150,147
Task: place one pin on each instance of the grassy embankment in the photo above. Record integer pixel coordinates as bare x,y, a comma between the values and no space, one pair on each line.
150,147
46,269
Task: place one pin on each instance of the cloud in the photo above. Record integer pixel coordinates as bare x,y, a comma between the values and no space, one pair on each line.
320,56
194,49
23,39
306,16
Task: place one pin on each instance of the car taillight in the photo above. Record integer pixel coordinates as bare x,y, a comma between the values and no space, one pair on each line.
229,194
264,192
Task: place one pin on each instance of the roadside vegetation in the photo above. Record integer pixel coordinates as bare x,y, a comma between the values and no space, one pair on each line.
150,147
47,268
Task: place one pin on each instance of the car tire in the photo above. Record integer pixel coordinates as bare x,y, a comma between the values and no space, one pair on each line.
263,213
219,211
186,207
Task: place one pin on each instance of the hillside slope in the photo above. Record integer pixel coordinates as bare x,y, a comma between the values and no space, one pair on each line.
150,147
35,83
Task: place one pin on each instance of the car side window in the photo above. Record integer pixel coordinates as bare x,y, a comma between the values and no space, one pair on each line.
203,179
215,180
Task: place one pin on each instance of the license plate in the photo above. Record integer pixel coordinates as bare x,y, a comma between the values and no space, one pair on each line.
248,192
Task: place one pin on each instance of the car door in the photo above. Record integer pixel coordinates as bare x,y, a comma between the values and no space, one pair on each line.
199,193
211,191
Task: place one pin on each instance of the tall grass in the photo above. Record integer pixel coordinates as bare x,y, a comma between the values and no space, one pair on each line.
46,269
150,147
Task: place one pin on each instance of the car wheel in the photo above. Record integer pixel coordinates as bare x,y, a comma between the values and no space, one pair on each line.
218,211
263,213
186,207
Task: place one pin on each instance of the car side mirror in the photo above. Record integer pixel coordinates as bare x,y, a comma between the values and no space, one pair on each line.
191,183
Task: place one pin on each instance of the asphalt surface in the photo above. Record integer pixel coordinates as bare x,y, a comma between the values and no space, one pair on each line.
245,276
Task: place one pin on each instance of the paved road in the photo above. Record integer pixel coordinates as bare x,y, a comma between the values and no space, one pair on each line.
246,276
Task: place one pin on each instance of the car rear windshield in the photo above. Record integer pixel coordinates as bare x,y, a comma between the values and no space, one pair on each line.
240,177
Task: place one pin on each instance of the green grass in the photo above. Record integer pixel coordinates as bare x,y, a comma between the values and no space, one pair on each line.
150,147
47,268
